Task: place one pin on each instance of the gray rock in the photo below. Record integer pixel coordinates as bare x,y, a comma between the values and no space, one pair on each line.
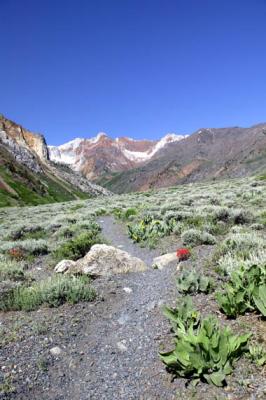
163,261
64,265
103,260
127,289
121,346
55,351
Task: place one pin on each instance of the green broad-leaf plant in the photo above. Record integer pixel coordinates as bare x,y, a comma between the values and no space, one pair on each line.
203,349
183,315
193,282
246,291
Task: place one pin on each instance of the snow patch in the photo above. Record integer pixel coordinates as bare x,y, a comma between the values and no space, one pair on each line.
74,144
146,155
135,155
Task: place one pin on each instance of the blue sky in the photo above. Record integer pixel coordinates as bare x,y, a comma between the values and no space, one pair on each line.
138,68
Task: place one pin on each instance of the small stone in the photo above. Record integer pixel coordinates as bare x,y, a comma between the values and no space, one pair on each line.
55,351
121,346
127,289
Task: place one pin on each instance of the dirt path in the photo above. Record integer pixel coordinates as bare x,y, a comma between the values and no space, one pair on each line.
109,349
121,340
116,234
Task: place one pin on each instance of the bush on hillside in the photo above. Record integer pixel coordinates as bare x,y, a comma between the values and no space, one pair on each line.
77,247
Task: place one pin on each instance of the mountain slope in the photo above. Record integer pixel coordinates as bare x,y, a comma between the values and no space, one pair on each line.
206,154
103,155
27,176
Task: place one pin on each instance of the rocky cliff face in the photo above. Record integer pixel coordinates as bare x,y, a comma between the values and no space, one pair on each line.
24,138
19,146
103,155
22,154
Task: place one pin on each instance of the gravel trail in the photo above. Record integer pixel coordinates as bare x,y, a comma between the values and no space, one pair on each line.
108,349
121,341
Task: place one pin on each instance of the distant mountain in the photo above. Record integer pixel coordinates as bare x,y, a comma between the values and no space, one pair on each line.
206,154
32,172
28,176
104,156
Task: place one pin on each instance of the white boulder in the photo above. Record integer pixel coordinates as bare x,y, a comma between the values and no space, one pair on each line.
103,260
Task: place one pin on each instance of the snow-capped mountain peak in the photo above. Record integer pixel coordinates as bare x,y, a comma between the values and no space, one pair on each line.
98,137
111,154
169,138
71,144
172,137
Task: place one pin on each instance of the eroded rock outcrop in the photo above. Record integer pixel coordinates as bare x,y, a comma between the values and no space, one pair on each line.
30,150
24,138
25,146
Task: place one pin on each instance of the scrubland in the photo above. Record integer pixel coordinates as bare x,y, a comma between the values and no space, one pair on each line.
219,317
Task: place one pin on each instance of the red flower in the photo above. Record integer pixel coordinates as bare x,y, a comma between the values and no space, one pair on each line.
183,254
16,253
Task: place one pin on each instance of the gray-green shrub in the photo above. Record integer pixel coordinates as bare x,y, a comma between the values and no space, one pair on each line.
52,292
195,237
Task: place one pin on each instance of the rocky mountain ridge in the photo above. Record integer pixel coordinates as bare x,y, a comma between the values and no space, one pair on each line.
28,175
209,153
124,164
102,154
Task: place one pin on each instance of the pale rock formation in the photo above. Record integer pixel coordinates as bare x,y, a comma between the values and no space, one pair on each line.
103,260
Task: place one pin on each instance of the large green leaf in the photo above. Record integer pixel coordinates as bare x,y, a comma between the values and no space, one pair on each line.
259,297
217,378
169,358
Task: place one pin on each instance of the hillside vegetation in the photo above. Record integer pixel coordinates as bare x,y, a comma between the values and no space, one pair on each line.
20,186
215,335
